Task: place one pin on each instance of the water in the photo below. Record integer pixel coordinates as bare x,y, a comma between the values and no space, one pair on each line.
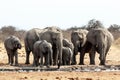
77,68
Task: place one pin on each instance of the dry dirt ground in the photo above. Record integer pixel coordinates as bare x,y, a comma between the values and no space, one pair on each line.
113,58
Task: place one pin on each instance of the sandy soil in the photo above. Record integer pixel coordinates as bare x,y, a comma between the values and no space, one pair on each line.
113,58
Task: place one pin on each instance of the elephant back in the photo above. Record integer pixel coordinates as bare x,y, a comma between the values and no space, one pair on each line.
31,37
97,35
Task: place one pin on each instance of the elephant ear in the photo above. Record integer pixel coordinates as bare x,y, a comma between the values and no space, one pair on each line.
10,43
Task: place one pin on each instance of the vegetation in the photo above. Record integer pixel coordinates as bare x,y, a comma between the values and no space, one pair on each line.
6,31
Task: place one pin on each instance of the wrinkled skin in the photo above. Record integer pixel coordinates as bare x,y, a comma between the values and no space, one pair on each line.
49,34
66,55
12,44
99,40
78,39
42,49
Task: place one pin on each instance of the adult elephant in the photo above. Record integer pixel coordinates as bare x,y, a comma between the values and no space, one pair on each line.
78,39
98,40
30,38
12,44
51,35
55,38
42,49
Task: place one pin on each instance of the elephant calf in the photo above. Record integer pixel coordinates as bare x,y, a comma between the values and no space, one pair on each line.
12,44
42,49
66,55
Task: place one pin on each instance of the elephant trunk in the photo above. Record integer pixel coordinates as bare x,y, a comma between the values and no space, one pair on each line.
51,56
19,46
60,45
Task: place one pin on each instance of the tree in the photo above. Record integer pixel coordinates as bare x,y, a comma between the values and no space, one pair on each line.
92,24
114,28
8,30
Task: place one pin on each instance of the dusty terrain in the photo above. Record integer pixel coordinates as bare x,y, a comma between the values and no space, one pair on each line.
113,58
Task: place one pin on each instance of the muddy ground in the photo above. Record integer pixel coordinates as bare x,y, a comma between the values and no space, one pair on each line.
75,72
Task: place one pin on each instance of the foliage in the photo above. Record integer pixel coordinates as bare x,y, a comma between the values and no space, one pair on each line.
115,30
92,24
6,31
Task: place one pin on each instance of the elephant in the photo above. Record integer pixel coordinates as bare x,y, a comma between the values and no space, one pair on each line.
12,44
52,35
98,40
55,38
30,38
66,55
67,43
78,37
42,49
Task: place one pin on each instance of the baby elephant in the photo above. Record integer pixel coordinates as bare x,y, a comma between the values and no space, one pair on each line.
12,44
42,49
66,55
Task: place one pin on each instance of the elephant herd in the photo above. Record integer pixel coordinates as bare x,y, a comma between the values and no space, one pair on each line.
50,48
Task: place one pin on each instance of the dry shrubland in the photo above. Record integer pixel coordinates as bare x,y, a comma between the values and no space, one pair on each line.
6,31
10,30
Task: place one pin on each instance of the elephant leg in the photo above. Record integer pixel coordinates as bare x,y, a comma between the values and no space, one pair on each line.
73,60
63,62
41,61
68,62
36,61
16,58
102,55
27,57
47,62
8,58
55,57
82,54
92,56
12,59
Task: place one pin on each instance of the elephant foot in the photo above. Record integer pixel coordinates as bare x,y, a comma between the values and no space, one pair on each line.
102,62
27,62
74,63
11,64
54,64
41,66
81,63
48,66
92,63
16,64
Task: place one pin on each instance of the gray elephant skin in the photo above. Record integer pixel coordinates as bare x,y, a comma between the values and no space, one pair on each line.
30,38
78,38
51,35
42,49
67,43
100,40
12,44
66,55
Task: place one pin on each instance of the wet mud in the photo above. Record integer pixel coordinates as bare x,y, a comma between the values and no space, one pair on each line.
77,68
